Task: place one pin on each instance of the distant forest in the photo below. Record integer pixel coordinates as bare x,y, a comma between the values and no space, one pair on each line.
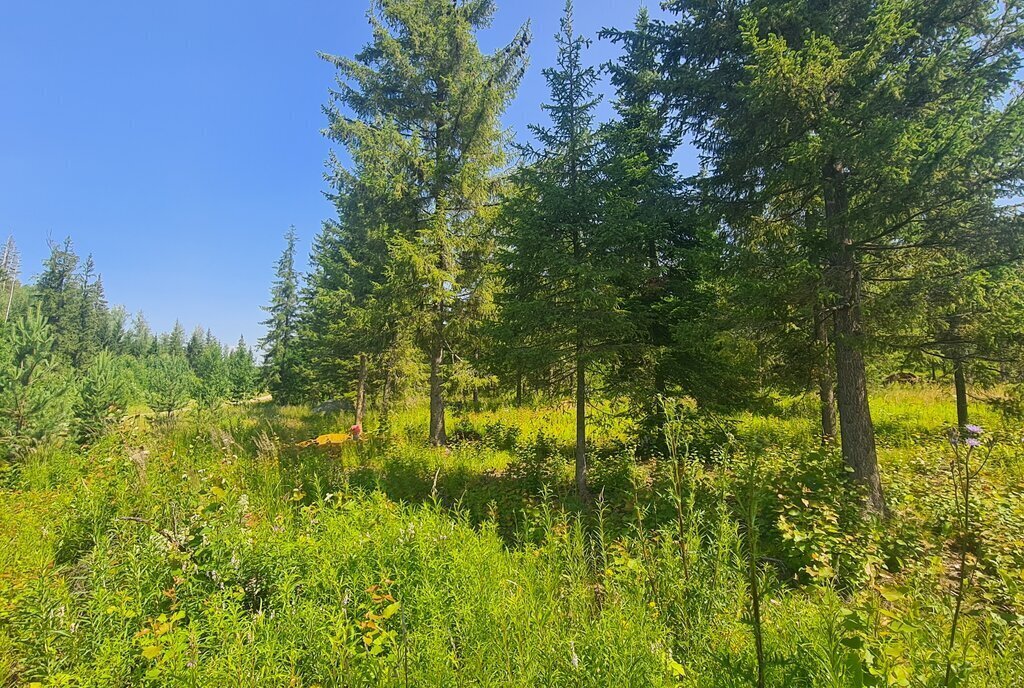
71,365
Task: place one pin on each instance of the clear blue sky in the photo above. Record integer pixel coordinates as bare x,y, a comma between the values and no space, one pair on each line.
176,142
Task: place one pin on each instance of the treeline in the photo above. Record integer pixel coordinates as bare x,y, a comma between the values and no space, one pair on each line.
70,365
854,215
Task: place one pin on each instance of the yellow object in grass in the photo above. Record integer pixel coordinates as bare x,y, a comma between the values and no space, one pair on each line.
325,440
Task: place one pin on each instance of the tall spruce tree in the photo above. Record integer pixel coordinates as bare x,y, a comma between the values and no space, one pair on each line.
561,309
59,294
280,362
91,316
350,336
887,127
667,252
641,203
424,84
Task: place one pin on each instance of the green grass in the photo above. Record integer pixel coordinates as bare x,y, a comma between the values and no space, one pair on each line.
221,554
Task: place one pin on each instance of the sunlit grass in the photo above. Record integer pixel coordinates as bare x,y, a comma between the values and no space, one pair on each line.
203,548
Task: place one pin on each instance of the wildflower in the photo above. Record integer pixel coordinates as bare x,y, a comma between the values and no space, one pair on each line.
973,429
972,442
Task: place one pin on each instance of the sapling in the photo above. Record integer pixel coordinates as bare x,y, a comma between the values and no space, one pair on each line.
968,459
749,493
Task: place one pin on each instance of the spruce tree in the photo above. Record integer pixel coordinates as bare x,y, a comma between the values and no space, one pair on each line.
91,316
424,86
667,279
173,342
280,363
560,309
59,294
140,337
242,372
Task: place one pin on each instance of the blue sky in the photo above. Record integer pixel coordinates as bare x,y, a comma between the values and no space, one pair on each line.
176,142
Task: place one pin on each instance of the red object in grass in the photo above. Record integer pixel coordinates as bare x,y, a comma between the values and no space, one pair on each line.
356,430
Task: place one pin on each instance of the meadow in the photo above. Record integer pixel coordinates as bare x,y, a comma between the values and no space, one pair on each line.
208,550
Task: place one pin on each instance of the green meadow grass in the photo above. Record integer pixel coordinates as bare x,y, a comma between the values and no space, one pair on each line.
208,550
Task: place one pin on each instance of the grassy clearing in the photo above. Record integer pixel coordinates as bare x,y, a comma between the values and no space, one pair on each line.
211,551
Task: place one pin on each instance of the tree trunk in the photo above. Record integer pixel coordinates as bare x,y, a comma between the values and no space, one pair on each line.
438,438
386,393
960,382
581,425
857,431
519,390
361,391
660,418
825,374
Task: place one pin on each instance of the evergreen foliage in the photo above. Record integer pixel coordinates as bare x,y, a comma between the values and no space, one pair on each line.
280,363
845,136
425,105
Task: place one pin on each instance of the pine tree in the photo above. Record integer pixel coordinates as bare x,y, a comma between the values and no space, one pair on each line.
36,396
168,382
857,131
280,361
561,310
103,395
424,86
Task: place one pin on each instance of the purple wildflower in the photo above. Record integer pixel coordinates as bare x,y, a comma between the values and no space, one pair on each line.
973,429
972,442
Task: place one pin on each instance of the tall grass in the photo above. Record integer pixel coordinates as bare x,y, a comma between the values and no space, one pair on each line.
210,550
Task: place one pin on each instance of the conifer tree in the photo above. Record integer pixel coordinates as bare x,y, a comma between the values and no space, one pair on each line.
103,396
10,267
196,345
280,363
664,247
114,336
91,316
424,86
884,127
168,382
968,317
560,309
173,342
140,338
242,373
59,295
36,397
